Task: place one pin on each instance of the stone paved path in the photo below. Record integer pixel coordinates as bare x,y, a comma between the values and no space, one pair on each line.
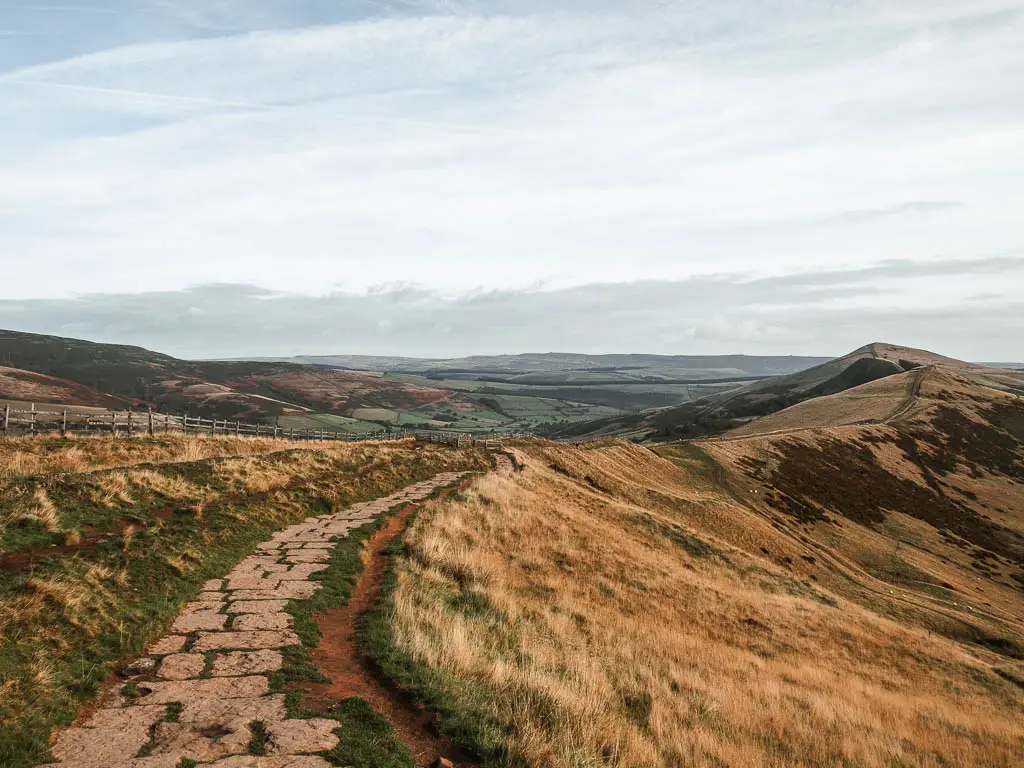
206,685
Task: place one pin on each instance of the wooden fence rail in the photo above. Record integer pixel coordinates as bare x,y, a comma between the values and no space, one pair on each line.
55,418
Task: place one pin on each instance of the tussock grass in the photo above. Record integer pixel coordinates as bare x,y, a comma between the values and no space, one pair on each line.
551,625
47,454
145,551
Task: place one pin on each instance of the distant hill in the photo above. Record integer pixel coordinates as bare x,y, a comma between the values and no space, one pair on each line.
720,412
57,369
658,366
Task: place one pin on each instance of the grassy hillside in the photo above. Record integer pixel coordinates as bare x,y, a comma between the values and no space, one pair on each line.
719,412
103,540
841,596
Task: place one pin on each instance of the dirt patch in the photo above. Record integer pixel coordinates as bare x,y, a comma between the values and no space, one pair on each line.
353,674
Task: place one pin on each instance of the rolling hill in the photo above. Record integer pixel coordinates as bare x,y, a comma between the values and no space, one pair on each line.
360,393
839,593
720,412
55,369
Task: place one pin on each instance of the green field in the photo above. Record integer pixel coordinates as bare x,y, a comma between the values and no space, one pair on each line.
328,421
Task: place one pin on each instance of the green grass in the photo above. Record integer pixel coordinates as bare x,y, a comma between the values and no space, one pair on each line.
366,740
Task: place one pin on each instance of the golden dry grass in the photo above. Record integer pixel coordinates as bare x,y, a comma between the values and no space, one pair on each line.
46,455
600,630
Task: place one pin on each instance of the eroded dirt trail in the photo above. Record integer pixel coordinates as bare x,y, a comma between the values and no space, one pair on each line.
202,693
353,674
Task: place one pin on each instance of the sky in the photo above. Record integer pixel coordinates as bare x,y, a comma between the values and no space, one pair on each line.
221,178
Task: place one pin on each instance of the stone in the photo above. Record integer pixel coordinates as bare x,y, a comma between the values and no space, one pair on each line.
187,691
243,641
302,736
126,718
88,761
257,606
238,663
169,644
203,741
277,761
194,621
213,585
266,708
286,590
182,666
251,582
210,597
142,666
442,762
102,746
303,571
257,621
308,556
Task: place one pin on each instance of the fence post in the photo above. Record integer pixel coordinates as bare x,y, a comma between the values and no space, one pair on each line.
7,419
150,422
113,422
32,419
64,423
277,425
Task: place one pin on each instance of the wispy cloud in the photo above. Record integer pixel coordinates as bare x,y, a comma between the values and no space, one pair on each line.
801,313
480,145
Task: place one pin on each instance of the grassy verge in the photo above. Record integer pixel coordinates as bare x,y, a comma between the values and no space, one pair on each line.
154,534
456,702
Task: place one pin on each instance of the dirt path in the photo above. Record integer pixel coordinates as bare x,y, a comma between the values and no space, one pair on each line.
353,674
913,393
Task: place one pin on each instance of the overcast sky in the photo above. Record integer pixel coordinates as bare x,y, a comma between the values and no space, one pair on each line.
440,177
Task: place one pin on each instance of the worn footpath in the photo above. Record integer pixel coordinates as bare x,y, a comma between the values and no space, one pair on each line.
203,693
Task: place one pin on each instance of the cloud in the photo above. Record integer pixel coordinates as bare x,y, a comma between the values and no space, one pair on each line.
478,175
800,313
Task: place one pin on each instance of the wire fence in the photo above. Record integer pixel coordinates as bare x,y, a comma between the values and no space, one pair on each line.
57,418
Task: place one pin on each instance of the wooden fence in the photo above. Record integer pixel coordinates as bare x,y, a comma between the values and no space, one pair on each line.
53,418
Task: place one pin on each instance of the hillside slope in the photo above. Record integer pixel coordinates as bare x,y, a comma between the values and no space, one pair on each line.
850,596
55,369
723,411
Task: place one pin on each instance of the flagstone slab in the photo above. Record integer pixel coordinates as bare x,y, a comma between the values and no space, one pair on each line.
185,691
182,666
257,606
194,621
293,737
238,663
281,761
286,590
257,621
169,644
245,641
